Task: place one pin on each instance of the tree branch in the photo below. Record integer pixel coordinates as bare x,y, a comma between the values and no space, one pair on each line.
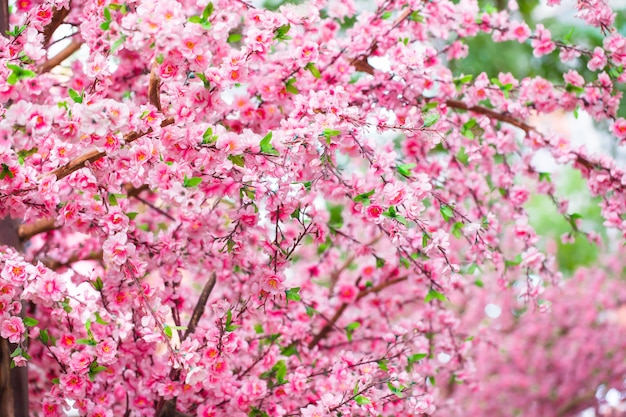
27,231
457,104
93,156
198,310
60,57
57,19
154,87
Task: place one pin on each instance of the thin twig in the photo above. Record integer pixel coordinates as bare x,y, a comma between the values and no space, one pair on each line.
198,310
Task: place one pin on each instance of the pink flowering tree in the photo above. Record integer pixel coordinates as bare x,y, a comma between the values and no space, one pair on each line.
230,211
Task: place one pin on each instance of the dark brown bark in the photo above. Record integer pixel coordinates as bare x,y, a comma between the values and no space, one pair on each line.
13,382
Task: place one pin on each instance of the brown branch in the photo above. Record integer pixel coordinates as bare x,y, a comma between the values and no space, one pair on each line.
328,326
55,265
60,57
198,310
457,104
168,408
342,308
4,17
58,17
576,404
154,89
27,231
380,287
93,156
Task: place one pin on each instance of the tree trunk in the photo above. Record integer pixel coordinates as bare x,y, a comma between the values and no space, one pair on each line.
13,382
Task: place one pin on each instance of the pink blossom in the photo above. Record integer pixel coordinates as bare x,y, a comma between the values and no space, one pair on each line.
12,329
272,283
347,293
598,60
619,129
117,250
542,44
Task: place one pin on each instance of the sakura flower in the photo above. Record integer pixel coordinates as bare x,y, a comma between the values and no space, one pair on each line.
272,283
12,329
117,250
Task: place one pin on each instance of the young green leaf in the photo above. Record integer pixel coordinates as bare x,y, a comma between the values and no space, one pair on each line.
434,295
266,145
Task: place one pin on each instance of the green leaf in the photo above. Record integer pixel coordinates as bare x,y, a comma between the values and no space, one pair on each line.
100,320
112,199
281,33
132,215
353,326
290,350
207,12
434,295
430,119
194,19
395,390
380,262
16,352
356,388
105,25
330,133
107,14
446,212
462,156
514,262
361,400
310,311
336,218
258,328
292,294
191,182
280,370
30,322
207,136
467,128
313,69
364,198
405,169
266,145
290,87
416,17
425,239
237,160
545,176
390,212
118,43
6,171
382,365
44,336
417,357
234,37
78,98
89,342
457,228
168,331
458,82
350,328
574,89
